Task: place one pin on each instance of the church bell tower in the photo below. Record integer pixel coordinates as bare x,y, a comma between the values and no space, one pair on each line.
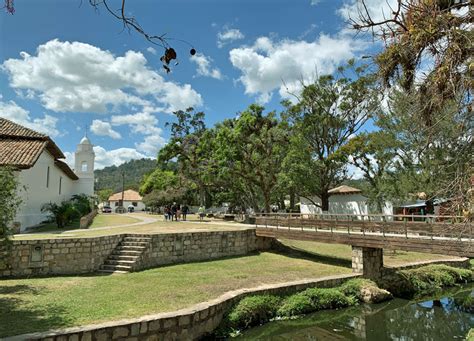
84,167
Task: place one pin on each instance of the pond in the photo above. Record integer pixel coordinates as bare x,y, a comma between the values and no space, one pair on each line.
447,318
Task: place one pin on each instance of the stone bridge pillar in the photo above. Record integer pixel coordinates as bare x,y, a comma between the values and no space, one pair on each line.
368,261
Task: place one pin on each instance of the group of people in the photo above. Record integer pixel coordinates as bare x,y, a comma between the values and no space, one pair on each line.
175,212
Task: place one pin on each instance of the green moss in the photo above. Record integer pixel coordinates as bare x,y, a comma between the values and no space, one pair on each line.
253,310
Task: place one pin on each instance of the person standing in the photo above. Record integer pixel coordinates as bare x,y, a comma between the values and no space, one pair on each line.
201,212
166,213
174,210
185,210
178,212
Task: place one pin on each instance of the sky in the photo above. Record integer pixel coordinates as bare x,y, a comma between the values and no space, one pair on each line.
66,69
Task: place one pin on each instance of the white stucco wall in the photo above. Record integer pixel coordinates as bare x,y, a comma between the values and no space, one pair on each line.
35,192
338,204
140,205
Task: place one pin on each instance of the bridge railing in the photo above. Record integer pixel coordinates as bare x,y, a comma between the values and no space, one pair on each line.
397,224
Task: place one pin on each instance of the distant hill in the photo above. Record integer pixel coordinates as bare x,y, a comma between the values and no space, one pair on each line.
134,170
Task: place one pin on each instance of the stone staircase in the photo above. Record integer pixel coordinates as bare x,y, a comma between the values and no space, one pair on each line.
126,254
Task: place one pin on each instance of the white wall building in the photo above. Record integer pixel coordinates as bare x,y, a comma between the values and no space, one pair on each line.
130,198
43,176
342,200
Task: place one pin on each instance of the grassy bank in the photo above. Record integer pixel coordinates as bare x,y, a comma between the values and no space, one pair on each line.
28,305
258,309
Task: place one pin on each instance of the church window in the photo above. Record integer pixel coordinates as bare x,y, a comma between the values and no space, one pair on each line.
60,183
84,166
47,178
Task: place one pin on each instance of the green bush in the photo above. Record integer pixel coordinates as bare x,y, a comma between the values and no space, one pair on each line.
295,305
314,299
253,310
428,279
352,288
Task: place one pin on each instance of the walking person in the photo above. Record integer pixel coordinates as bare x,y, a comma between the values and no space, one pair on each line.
174,210
201,212
178,212
185,210
170,214
166,213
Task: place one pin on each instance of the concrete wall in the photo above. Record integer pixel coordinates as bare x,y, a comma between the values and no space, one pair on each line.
338,204
37,192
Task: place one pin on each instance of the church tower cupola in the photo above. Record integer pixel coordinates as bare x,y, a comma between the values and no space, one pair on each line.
84,166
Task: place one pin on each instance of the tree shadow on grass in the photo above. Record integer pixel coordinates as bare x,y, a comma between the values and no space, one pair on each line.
295,252
18,317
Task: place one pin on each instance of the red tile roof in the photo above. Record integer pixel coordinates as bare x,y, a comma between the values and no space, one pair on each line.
20,147
128,195
344,190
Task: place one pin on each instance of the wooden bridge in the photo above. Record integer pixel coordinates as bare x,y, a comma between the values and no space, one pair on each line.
449,235
369,234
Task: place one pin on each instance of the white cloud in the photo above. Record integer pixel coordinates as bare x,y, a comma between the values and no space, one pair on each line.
143,123
378,9
13,112
151,50
204,68
78,77
105,158
315,2
269,65
102,128
227,36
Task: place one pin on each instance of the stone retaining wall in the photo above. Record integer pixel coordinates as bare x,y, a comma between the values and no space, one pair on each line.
87,219
186,324
198,246
85,255
57,256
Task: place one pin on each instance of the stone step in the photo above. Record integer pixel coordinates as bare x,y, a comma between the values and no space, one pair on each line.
124,257
119,262
113,271
137,239
127,252
115,267
133,244
131,247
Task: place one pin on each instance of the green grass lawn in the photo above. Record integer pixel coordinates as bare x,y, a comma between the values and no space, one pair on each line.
159,226
343,254
49,230
28,305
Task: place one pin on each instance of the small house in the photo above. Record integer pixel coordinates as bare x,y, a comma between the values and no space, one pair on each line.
129,198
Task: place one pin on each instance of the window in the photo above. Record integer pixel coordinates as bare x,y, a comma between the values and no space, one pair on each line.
116,203
134,203
60,183
84,166
47,178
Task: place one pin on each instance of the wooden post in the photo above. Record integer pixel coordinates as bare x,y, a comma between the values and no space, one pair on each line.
406,229
278,221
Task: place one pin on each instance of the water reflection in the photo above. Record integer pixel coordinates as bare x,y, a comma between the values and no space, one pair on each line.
448,318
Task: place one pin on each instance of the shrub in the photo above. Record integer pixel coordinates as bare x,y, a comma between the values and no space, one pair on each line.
427,279
294,305
253,310
314,299
352,288
62,214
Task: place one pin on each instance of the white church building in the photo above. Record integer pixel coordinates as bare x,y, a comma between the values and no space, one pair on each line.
42,173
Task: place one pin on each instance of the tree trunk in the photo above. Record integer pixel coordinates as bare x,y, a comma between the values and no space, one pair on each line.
292,200
202,196
325,201
266,198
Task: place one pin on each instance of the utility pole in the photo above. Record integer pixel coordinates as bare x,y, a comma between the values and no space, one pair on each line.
123,186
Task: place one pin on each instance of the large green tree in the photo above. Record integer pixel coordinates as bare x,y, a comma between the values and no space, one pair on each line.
327,115
249,152
186,147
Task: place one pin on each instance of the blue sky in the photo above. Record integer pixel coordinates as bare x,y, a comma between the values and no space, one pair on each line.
65,67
